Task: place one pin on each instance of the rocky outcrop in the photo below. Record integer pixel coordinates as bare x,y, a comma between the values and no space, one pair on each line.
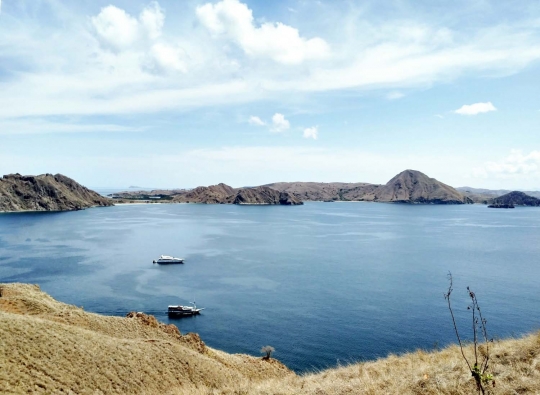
46,192
515,198
263,195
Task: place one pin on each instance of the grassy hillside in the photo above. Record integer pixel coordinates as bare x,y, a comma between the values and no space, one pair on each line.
50,347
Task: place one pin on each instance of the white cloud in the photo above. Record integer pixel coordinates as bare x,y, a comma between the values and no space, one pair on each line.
279,123
153,19
516,165
277,41
476,108
116,28
395,95
168,58
311,133
253,120
147,69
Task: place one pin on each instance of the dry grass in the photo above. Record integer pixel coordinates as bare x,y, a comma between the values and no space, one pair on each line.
50,347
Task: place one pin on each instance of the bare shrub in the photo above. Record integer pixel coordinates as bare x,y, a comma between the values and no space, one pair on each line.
268,350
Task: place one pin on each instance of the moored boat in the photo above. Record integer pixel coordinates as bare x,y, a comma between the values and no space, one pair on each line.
165,259
183,311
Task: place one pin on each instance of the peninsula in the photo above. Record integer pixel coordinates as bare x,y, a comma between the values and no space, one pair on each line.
46,192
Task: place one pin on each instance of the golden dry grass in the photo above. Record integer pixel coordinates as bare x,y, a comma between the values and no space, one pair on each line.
50,347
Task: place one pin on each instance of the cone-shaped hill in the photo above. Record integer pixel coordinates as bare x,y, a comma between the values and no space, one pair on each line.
412,186
46,192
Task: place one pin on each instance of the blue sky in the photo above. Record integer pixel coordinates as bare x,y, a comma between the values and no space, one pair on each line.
184,93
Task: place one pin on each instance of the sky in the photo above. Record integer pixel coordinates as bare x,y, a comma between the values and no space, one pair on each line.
180,93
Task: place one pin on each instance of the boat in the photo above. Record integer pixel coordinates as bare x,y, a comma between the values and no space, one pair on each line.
183,311
165,259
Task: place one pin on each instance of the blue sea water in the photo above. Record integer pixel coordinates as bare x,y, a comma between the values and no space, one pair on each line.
323,283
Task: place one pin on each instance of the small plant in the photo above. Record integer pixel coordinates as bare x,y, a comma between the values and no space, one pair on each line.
479,370
268,350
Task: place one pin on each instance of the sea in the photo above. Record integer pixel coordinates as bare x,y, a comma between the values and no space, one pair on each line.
325,284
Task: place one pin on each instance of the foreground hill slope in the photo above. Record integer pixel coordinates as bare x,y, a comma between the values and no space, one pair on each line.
46,192
51,347
48,347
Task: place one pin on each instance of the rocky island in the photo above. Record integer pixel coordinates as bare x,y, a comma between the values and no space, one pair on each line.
512,199
46,192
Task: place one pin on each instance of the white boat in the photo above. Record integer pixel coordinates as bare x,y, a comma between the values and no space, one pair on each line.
165,259
182,311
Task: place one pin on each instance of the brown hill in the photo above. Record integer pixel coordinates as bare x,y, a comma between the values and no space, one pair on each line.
50,347
210,195
412,186
315,191
224,194
409,186
46,192
263,195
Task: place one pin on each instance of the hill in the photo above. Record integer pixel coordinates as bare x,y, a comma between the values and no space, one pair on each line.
315,191
50,347
482,195
409,186
210,195
46,192
224,194
412,186
516,198
263,195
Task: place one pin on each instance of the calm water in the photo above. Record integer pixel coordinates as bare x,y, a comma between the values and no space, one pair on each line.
324,283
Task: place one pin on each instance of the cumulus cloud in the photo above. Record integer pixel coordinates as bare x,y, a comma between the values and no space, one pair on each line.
277,41
515,165
279,123
253,120
167,58
152,19
476,108
119,31
116,28
311,133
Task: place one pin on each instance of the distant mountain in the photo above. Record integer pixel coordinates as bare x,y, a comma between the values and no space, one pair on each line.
409,186
516,198
412,186
214,194
224,194
263,195
315,191
46,192
482,195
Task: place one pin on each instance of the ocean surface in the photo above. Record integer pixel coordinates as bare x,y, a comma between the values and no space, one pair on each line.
324,283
